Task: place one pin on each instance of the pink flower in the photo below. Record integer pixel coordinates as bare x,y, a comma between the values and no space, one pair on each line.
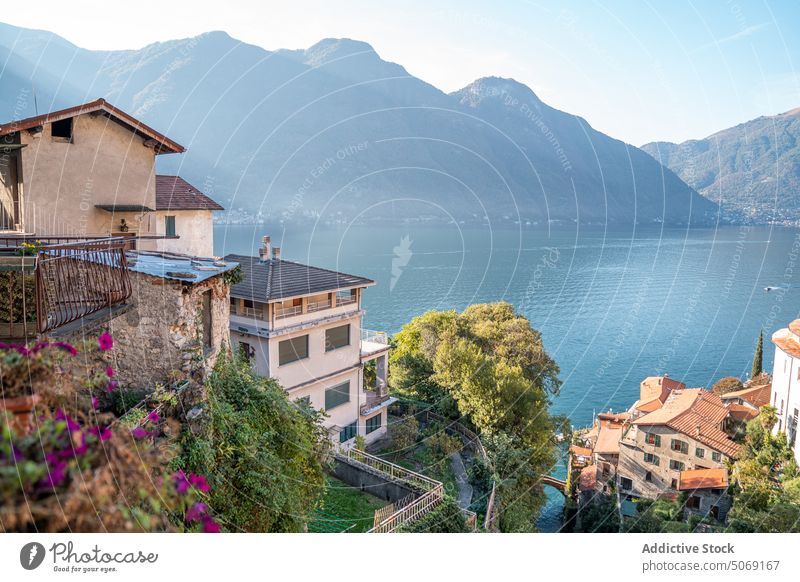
199,482
105,341
196,512
111,386
209,525
72,426
69,348
139,433
181,482
153,416
94,402
110,372
101,433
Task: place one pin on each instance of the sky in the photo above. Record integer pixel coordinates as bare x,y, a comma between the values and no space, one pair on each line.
637,70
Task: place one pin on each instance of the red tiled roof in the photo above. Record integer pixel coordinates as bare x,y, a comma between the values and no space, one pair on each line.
742,412
703,479
787,343
175,193
697,413
580,451
608,439
165,145
794,327
758,396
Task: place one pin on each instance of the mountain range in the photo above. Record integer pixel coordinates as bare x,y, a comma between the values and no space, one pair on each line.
335,133
752,169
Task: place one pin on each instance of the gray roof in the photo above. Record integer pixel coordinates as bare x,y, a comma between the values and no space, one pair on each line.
277,279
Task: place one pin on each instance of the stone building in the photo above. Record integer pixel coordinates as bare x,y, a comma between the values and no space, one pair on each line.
706,493
301,325
90,171
686,432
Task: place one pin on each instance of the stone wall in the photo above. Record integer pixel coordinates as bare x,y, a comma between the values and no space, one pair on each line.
162,333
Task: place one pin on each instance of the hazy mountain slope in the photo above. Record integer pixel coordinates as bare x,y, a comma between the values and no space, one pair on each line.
752,169
334,131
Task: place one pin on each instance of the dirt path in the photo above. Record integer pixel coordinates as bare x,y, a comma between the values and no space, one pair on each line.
464,488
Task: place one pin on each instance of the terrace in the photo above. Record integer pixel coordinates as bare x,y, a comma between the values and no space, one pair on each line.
52,281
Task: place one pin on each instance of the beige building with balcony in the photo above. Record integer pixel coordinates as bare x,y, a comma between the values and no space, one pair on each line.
90,171
785,389
301,325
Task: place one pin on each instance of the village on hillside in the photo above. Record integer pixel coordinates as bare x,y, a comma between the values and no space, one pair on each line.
237,379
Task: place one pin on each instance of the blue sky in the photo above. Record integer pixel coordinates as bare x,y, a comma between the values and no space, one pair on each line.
637,70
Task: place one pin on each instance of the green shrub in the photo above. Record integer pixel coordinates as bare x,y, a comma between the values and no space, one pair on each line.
262,454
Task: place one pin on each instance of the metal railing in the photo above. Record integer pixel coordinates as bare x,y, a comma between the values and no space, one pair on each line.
318,305
376,337
284,312
345,300
392,471
10,215
58,283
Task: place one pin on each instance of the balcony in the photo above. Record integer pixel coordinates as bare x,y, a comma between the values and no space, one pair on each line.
373,343
314,306
51,283
284,312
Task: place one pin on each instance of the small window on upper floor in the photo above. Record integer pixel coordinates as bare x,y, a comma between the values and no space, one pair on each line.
61,130
169,226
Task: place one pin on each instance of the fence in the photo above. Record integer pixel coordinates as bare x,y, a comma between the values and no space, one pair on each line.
489,522
56,283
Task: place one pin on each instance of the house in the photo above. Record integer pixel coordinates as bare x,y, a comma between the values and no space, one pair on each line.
606,447
785,392
745,404
685,432
90,171
706,493
301,325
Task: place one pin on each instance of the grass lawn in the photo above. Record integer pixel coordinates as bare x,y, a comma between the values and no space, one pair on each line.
344,508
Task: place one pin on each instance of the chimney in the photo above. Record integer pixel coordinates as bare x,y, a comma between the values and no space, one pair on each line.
276,253
263,252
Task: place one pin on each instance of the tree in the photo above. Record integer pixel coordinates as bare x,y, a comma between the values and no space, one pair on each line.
727,384
447,517
263,455
758,358
491,364
404,433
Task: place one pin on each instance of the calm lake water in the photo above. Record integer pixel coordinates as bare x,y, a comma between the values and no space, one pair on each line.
613,306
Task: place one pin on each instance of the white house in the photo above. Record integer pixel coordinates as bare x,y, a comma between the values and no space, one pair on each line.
786,382
302,326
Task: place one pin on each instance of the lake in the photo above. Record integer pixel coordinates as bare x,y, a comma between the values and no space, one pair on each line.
613,305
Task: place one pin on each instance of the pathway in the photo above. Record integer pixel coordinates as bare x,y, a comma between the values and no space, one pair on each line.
464,488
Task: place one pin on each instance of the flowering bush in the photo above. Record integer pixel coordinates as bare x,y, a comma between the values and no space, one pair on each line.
79,469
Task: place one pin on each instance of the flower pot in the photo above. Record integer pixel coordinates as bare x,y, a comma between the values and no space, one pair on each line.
22,409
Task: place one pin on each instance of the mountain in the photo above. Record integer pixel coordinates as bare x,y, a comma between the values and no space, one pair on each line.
335,133
752,170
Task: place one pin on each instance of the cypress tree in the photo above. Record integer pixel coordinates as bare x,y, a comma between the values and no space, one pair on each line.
758,358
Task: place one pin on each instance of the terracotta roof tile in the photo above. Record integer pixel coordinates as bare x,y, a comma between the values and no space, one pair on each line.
608,439
588,478
175,193
164,144
794,327
742,412
703,479
784,339
758,396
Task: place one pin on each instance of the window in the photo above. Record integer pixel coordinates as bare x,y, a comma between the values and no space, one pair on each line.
373,423
679,446
626,483
791,428
648,477
653,439
715,456
169,226
292,350
651,458
61,130
246,351
693,502
699,453
675,465
337,395
348,432
337,337
674,484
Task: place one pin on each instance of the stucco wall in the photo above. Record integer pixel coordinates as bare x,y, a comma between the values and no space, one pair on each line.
786,391
195,229
104,164
163,331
